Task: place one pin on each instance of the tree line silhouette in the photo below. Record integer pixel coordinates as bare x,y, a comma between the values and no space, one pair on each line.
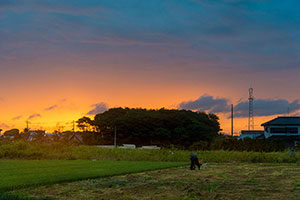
152,127
182,129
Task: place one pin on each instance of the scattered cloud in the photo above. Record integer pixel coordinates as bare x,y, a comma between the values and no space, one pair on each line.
267,107
35,115
262,107
51,107
98,108
4,126
58,104
207,103
236,36
17,117
62,100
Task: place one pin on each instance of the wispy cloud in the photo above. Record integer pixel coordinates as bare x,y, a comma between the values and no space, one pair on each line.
62,100
17,117
206,103
150,39
59,104
34,116
51,107
232,31
262,107
4,126
98,108
267,107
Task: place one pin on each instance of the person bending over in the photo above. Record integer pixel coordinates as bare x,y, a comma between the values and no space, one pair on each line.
194,161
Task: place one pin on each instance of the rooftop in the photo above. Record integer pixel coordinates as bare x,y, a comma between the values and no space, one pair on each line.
283,121
252,132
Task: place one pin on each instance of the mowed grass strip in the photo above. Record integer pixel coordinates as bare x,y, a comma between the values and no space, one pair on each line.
226,181
21,173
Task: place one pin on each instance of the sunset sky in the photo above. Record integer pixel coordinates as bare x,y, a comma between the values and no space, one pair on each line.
63,59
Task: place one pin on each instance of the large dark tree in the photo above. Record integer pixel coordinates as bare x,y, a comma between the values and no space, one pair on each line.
141,126
12,132
15,133
84,124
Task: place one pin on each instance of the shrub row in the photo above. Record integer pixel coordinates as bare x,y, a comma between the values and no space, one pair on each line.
26,150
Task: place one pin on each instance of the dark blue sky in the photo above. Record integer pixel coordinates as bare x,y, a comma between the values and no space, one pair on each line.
229,33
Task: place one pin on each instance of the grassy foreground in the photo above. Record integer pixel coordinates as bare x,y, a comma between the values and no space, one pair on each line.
17,173
22,150
216,181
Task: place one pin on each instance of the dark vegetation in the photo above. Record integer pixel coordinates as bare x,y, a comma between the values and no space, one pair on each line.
36,151
151,127
233,144
167,128
180,129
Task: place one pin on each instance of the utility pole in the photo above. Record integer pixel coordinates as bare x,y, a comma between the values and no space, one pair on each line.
73,126
231,119
27,125
115,137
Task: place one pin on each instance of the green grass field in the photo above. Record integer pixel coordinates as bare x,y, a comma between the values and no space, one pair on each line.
87,172
219,181
18,173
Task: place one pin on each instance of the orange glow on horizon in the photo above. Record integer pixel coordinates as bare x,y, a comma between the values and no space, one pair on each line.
73,94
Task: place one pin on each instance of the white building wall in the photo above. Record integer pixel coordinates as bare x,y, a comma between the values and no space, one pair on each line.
268,133
243,136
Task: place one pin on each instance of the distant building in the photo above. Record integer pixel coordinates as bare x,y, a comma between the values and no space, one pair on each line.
35,134
253,134
52,137
283,128
11,134
75,138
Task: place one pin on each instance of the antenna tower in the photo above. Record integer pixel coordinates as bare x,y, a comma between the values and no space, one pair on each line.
251,118
27,125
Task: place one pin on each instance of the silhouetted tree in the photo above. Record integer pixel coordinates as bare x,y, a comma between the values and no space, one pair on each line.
84,124
161,126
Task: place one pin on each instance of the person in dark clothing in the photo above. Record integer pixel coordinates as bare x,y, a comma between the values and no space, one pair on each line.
194,161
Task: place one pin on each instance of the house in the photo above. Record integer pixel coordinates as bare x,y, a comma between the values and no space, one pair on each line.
35,135
50,137
253,134
75,138
11,134
283,128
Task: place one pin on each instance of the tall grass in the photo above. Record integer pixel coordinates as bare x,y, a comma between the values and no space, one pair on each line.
24,150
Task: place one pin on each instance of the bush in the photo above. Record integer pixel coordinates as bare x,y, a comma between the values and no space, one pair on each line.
233,144
26,150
